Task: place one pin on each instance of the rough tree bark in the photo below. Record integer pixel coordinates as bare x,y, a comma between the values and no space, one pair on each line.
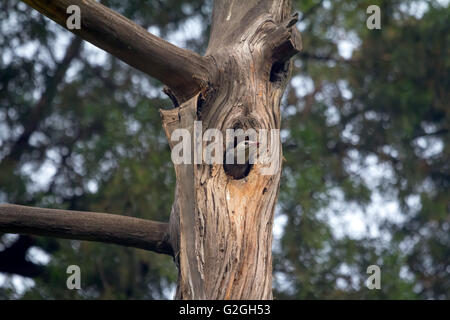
220,228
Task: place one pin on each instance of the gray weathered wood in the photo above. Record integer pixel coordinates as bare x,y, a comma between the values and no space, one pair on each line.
83,225
182,70
220,229
223,226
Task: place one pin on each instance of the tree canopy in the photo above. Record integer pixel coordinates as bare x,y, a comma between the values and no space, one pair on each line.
365,122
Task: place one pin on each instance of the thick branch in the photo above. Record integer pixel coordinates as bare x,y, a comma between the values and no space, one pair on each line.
81,225
184,71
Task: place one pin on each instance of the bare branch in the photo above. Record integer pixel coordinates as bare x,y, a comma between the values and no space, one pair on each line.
82,225
184,71
430,134
311,56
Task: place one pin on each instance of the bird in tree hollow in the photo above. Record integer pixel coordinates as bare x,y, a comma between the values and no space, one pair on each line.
240,165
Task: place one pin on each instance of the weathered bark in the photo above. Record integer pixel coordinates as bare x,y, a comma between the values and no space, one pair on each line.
182,70
82,225
221,228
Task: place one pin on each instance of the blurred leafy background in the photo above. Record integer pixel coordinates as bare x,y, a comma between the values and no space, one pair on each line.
365,136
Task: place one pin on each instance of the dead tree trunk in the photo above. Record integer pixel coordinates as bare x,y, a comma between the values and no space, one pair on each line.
222,227
220,230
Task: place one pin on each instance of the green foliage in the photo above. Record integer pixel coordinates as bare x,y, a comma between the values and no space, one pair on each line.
102,134
385,105
387,102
